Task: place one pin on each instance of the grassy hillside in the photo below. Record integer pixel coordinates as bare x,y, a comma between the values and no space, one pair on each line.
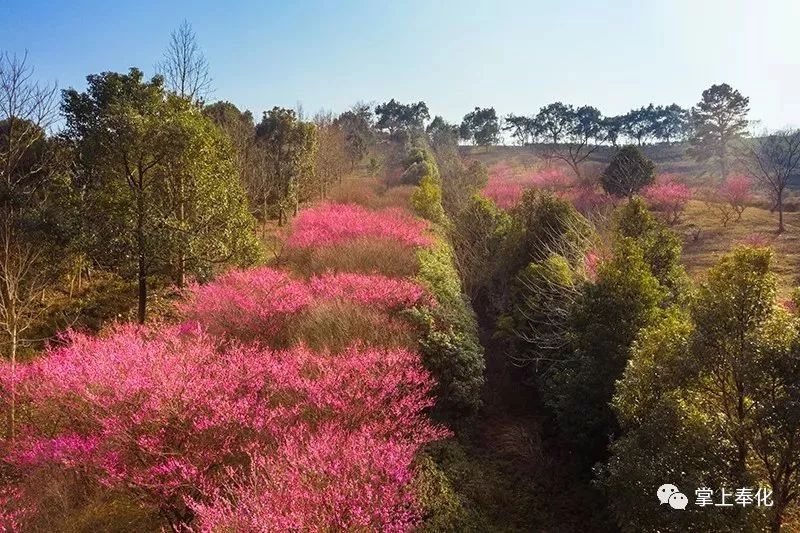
706,240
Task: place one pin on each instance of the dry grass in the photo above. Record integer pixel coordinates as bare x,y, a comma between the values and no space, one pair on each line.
332,326
363,256
706,240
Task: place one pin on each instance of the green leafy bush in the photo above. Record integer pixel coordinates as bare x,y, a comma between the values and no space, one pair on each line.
449,340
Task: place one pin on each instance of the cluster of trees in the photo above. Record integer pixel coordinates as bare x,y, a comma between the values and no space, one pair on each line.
648,376
143,179
555,122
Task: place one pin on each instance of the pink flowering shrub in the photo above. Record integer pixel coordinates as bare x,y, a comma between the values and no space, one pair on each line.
330,223
506,194
275,491
757,240
243,303
372,290
587,200
261,303
737,192
506,185
668,196
552,179
172,417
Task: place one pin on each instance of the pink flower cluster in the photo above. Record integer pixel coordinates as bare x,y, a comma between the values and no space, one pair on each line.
331,223
173,416
260,301
506,194
587,200
668,196
737,191
507,185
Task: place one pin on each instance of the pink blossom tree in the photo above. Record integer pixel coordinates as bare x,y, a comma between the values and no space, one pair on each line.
669,197
737,192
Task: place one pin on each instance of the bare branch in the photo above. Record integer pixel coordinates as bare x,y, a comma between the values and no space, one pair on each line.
184,66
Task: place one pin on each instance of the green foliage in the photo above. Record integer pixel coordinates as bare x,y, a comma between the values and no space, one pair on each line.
460,182
158,179
442,507
660,246
478,233
449,341
709,399
718,120
421,168
545,294
543,224
289,146
396,117
356,124
427,200
624,300
419,163
480,126
628,172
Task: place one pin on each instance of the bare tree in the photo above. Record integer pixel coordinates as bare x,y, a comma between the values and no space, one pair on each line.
582,134
331,158
773,160
184,66
27,111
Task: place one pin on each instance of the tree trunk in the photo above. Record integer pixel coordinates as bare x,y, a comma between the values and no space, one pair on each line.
778,508
142,266
12,415
182,244
780,211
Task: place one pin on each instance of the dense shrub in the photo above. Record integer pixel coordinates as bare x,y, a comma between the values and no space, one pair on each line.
264,304
449,340
334,223
668,197
660,246
174,419
477,235
624,299
505,194
419,163
427,200
628,172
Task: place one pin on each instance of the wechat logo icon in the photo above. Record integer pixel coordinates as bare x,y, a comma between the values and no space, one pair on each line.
670,494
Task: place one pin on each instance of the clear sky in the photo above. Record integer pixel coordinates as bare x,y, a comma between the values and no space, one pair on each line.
513,55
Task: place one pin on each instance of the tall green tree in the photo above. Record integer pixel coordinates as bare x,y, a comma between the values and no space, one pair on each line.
392,116
289,146
628,172
583,134
241,130
553,121
671,123
640,124
480,126
356,124
522,128
710,399
158,181
719,119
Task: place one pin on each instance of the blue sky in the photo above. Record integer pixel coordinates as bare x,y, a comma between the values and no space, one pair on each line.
514,55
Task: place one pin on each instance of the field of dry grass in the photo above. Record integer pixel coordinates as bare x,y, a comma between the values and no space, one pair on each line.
706,240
